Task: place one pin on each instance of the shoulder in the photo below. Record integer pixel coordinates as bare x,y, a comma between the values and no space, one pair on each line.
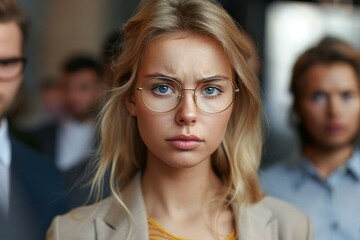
279,174
272,219
282,210
79,223
45,131
27,158
276,168
291,222
47,126
19,147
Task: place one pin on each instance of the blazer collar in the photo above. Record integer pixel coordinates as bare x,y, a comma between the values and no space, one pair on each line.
115,224
253,222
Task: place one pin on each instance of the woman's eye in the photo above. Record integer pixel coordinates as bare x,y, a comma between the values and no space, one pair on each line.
162,89
212,91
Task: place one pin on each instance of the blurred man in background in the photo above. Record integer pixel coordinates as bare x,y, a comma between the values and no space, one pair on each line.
51,99
30,186
72,140
323,178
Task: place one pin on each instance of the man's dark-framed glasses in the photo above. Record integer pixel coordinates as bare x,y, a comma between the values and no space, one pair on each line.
11,68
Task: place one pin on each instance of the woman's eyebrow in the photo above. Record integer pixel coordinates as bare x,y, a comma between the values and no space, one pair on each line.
170,78
161,76
213,78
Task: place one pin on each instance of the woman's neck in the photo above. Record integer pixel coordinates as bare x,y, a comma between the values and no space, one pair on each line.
327,160
178,192
180,200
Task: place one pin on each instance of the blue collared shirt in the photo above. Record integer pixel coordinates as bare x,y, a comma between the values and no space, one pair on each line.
333,204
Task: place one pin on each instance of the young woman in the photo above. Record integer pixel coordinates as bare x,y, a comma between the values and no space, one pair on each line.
181,136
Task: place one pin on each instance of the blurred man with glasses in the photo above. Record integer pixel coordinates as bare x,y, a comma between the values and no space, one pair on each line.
30,186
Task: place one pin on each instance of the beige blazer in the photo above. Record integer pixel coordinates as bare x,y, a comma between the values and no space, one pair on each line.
270,219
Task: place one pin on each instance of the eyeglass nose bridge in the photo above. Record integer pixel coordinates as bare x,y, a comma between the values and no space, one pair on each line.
188,89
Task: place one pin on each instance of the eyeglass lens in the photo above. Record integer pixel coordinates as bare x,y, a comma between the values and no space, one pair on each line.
211,96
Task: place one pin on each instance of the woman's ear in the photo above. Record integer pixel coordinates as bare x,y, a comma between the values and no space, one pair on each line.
131,104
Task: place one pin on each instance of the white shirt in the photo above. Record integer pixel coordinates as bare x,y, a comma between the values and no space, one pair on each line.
5,161
74,143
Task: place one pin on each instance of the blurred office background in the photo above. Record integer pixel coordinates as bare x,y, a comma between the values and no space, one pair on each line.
281,31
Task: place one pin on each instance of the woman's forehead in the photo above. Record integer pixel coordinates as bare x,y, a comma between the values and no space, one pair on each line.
182,53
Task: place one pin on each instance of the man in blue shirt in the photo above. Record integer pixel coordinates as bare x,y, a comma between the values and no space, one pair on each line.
323,178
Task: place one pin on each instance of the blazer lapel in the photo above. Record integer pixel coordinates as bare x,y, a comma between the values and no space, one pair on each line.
116,223
255,222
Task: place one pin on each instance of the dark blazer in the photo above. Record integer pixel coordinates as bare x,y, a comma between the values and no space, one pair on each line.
36,193
45,138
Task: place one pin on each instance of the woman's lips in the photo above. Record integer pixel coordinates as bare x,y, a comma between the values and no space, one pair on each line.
185,142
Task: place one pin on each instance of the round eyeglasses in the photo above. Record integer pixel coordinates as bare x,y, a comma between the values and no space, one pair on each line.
11,68
162,94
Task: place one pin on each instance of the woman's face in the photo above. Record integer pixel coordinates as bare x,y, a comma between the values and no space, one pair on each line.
329,106
184,136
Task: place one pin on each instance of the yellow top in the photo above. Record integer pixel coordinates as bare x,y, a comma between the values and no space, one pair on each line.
156,232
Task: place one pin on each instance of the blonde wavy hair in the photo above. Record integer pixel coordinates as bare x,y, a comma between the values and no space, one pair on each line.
122,151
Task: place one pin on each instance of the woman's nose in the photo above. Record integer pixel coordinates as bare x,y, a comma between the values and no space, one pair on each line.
187,111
